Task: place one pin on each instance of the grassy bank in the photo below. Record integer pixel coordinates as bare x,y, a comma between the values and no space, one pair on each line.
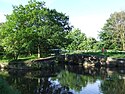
108,54
113,54
33,57
21,58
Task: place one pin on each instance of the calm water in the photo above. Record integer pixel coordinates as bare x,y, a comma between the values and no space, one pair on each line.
63,79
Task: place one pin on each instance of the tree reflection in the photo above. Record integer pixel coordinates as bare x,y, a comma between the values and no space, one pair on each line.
66,80
6,89
47,87
113,85
36,82
74,81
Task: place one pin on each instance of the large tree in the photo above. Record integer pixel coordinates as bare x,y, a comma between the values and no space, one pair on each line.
87,44
76,37
32,27
79,41
113,32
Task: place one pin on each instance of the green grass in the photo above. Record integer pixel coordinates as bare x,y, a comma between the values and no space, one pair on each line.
21,58
4,61
113,54
32,57
116,54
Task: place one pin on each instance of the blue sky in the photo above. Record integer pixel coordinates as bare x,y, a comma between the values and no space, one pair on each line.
87,15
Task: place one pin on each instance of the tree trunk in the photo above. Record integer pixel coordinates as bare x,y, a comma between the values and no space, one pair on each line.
39,51
123,45
123,42
123,38
16,54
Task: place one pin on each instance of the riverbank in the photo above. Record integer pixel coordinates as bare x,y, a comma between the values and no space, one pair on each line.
110,59
26,63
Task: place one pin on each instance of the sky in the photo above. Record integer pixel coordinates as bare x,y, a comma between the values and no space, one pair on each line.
87,15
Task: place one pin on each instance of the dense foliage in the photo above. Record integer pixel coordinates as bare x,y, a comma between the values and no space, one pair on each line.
33,28
113,33
79,41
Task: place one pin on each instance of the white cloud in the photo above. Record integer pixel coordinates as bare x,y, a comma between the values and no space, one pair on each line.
89,24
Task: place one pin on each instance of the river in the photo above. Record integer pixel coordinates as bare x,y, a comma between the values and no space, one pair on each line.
63,79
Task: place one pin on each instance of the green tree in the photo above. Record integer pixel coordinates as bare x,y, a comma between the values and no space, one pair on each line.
34,27
113,32
98,45
88,44
76,37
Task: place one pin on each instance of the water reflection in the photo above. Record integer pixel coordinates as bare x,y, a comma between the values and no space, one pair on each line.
6,89
64,79
113,84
